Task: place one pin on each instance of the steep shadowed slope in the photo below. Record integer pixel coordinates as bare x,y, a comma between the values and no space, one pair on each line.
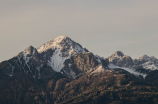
62,71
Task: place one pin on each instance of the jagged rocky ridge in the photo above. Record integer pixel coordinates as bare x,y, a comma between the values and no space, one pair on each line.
143,65
84,63
72,60
56,54
62,69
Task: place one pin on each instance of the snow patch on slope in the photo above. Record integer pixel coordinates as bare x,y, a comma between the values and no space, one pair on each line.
57,61
130,70
63,48
149,65
25,57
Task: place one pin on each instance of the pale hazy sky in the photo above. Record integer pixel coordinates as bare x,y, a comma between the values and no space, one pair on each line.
102,26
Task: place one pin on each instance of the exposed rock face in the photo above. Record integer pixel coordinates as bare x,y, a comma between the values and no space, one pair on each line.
57,50
143,65
119,59
61,71
31,55
52,56
28,61
82,63
144,62
118,54
127,61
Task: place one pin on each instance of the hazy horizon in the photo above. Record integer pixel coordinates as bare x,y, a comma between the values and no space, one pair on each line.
102,26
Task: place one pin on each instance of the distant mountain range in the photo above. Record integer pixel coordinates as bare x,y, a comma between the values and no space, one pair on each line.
62,71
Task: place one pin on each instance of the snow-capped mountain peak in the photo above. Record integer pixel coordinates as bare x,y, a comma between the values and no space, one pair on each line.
59,49
63,55
147,58
60,38
27,53
124,61
62,43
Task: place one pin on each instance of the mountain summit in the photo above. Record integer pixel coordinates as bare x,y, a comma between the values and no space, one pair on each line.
118,54
54,55
61,71
62,43
119,59
65,56
59,49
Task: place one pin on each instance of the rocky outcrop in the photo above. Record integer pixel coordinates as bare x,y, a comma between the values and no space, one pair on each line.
119,59
27,61
81,64
53,56
59,49
144,62
61,71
